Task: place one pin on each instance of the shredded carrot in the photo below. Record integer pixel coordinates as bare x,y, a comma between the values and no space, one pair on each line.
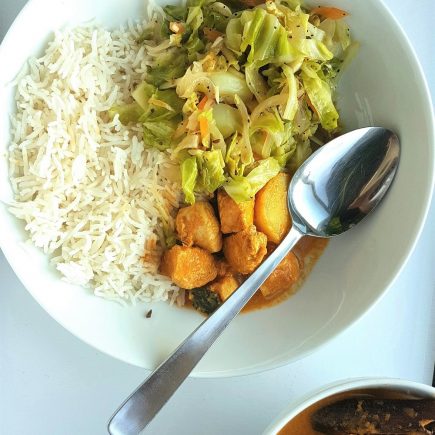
203,102
211,34
329,12
203,127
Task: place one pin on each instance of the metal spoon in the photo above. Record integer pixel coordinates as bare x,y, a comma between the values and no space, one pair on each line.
331,192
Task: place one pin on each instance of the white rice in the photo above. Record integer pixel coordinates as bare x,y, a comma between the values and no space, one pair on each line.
92,197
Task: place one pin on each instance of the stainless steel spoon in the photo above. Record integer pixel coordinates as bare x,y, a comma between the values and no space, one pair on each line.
331,192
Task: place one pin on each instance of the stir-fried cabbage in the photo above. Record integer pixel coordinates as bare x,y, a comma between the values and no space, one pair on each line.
242,188
238,90
189,175
211,167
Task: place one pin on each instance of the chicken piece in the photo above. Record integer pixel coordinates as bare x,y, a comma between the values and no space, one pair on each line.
225,287
198,225
245,250
271,215
188,267
234,216
283,277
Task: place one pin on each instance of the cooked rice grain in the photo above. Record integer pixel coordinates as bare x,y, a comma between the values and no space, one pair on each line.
91,195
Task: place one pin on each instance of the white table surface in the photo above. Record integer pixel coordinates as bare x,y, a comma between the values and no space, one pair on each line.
53,384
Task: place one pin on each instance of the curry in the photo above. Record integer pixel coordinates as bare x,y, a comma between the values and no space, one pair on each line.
221,244
302,423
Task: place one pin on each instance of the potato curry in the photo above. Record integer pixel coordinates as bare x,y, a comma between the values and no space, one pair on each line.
219,247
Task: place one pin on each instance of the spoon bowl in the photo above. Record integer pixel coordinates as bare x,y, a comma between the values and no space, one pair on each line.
343,181
331,192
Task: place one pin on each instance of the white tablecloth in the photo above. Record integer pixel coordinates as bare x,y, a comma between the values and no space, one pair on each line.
52,383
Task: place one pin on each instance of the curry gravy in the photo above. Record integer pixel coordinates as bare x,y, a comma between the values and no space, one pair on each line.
308,250
301,424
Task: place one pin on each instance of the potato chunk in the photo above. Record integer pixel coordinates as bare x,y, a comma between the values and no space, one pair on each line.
283,277
245,250
234,217
198,225
225,287
188,267
271,214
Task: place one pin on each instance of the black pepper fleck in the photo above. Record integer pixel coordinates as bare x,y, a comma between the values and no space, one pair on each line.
149,314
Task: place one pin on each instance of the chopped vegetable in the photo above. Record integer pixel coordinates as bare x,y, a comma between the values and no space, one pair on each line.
225,85
236,91
127,113
227,118
271,215
170,65
211,170
169,237
204,300
301,153
189,174
204,128
159,133
244,188
320,96
329,12
203,102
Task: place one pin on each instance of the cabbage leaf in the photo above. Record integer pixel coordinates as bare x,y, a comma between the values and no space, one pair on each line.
168,66
158,134
189,175
219,85
211,170
320,96
127,113
227,119
243,188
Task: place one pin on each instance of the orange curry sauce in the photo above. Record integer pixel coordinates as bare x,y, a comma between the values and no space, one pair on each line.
308,250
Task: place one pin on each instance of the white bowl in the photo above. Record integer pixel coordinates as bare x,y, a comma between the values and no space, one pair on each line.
350,277
421,391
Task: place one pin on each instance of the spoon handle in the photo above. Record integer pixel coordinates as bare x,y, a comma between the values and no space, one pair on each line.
142,406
